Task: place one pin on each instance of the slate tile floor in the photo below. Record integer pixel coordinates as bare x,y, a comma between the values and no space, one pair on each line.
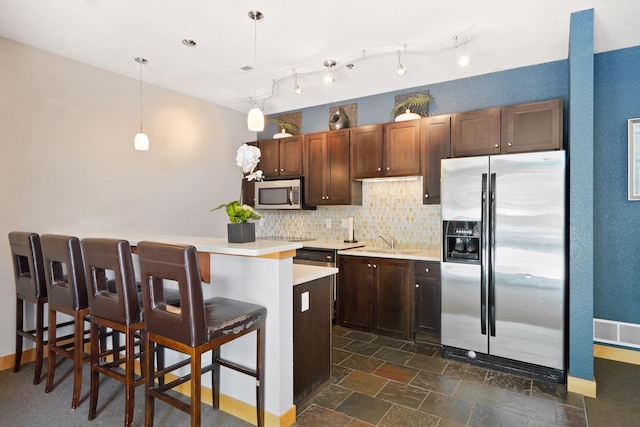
386,382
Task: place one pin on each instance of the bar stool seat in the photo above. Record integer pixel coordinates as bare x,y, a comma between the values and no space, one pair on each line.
67,291
194,328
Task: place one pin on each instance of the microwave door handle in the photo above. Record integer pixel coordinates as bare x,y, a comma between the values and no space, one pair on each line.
290,196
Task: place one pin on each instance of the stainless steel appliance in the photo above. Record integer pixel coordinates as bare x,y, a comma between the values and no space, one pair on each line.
323,258
280,194
504,261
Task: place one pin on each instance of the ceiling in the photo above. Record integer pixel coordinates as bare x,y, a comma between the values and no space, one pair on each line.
297,36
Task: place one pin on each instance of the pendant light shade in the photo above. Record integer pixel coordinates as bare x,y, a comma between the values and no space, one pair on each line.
141,141
255,119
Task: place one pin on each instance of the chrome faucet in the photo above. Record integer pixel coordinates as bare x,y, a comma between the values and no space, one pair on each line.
391,242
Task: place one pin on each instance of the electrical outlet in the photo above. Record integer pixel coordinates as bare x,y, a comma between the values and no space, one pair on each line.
304,302
328,223
344,223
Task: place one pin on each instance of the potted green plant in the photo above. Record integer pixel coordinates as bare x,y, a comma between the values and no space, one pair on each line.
241,229
286,129
419,100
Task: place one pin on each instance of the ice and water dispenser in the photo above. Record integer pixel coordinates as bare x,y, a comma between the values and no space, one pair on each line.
462,241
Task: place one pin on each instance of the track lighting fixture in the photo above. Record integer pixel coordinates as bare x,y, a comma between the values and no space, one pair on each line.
330,77
296,88
141,141
255,118
400,70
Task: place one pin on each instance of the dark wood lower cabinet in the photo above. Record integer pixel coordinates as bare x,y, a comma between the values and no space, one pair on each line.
427,301
374,295
311,338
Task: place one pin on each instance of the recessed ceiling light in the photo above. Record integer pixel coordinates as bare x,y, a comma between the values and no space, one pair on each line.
189,43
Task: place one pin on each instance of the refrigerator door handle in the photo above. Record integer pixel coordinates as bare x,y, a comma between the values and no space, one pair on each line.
483,270
492,255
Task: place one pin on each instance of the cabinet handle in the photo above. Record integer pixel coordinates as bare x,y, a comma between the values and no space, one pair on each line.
388,168
417,285
379,169
275,170
427,270
375,266
369,265
281,170
327,197
323,197
496,145
426,196
509,144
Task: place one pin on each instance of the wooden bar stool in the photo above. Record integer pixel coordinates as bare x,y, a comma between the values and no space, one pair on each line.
194,328
114,303
28,268
67,290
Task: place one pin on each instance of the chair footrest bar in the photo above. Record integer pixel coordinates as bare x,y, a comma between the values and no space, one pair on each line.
236,367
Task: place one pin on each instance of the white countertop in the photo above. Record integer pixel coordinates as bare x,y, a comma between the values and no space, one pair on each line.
305,273
218,245
331,244
417,254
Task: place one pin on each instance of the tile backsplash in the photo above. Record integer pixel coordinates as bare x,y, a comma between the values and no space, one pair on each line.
392,207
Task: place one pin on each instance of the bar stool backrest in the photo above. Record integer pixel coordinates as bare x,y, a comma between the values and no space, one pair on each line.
26,254
111,282
64,271
159,262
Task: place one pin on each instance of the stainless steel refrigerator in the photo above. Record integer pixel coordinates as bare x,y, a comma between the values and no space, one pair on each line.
503,261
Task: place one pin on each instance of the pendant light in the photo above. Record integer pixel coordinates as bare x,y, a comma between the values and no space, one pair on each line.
400,70
141,142
255,119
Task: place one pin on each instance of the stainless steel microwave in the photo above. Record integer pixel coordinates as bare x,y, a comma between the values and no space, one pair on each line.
279,194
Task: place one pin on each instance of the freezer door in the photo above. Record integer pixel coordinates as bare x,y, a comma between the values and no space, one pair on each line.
462,295
529,258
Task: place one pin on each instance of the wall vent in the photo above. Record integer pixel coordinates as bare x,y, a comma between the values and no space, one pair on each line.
618,333
241,70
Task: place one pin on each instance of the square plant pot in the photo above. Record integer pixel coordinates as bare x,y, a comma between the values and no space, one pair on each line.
243,232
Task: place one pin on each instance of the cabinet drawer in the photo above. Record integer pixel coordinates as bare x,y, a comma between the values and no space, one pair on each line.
427,269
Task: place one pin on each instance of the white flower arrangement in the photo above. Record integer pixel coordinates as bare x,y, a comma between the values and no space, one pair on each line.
247,159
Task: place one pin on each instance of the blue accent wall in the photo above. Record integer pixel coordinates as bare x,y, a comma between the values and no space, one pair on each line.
581,195
616,219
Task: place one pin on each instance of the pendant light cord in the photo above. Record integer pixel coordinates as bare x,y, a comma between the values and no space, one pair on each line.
141,62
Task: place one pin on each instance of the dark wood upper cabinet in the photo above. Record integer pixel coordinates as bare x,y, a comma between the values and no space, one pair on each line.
476,133
532,127
435,140
281,157
327,180
520,128
391,149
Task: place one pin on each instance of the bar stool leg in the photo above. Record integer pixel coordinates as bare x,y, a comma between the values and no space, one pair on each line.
215,377
51,355
19,327
96,348
150,347
39,342
130,381
260,374
78,350
196,386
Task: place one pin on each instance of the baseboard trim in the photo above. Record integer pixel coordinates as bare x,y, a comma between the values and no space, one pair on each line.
581,386
616,354
29,355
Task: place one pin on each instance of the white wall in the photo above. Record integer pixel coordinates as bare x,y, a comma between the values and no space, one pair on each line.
67,159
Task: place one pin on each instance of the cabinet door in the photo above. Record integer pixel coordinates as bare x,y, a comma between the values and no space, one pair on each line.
291,156
401,155
316,163
355,293
339,181
532,127
476,133
427,301
311,338
435,138
269,157
392,298
366,151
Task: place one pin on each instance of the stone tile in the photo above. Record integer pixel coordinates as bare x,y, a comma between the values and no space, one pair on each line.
316,416
473,392
339,355
507,381
389,342
556,392
364,408
447,407
487,416
363,383
340,341
357,423
431,364
403,394
361,363
401,374
538,410
466,371
393,355
422,348
449,423
399,416
435,382
363,348
570,416
339,330
361,336
339,372
331,396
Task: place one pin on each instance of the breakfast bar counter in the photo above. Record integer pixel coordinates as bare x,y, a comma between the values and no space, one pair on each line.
260,272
